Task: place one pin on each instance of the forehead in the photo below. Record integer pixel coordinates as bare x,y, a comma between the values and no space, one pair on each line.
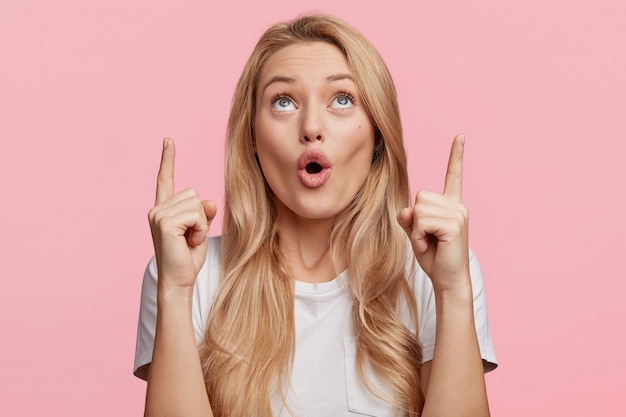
305,59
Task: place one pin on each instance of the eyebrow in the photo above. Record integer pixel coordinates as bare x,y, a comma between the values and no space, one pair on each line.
339,77
291,80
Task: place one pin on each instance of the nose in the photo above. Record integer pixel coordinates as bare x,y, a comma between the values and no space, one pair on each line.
311,138
312,125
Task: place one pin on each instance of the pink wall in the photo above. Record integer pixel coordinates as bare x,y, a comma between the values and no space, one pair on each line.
89,89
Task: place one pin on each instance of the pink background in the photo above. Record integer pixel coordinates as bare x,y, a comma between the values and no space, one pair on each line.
89,89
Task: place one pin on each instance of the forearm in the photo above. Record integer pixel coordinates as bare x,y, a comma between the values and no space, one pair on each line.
175,380
456,385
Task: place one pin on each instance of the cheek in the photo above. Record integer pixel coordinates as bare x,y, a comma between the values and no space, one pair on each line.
365,137
262,139
261,129
268,147
271,154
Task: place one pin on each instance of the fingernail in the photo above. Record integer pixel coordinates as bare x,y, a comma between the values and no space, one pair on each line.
462,139
165,142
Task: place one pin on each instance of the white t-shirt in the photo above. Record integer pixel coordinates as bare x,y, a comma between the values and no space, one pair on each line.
324,381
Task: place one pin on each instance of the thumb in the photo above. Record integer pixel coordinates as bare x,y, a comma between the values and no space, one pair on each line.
405,219
197,235
210,209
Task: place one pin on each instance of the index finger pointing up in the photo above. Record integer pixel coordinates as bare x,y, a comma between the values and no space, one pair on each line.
165,179
453,186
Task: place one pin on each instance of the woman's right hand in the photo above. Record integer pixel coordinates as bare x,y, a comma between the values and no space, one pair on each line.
179,224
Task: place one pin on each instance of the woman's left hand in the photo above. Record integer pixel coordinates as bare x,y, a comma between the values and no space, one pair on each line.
438,228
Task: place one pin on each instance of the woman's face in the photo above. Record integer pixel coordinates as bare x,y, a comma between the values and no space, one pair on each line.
313,137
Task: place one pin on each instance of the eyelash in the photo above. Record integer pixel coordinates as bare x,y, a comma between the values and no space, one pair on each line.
341,93
347,95
280,96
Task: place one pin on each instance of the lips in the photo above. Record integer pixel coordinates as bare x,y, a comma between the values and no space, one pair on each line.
313,168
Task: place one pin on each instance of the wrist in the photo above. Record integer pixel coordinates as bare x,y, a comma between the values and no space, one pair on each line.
455,307
174,294
459,294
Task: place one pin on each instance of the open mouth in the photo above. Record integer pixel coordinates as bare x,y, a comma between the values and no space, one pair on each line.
313,168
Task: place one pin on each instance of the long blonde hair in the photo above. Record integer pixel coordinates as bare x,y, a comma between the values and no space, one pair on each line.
250,336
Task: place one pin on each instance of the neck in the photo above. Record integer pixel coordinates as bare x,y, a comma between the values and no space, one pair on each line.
305,245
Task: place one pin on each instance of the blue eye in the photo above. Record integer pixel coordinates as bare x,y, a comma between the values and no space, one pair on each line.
342,101
283,103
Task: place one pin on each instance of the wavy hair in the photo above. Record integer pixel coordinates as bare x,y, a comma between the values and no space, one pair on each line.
250,336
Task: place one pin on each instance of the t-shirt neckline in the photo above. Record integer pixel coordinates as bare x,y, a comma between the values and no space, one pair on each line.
338,282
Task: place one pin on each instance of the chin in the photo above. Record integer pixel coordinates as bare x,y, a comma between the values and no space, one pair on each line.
318,214
316,207
315,211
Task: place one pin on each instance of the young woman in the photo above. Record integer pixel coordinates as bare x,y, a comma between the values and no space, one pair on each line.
329,293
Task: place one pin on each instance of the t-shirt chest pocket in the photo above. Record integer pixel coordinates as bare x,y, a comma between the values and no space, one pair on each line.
360,400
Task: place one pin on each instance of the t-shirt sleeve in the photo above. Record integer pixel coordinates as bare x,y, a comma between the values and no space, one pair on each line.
204,291
427,314
147,321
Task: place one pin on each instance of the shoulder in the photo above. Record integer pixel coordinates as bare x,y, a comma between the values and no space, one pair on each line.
425,298
208,276
203,295
213,251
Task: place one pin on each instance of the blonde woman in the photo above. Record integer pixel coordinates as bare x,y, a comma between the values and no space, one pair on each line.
329,293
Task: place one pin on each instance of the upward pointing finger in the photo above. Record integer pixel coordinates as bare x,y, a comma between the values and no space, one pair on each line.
453,187
165,178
